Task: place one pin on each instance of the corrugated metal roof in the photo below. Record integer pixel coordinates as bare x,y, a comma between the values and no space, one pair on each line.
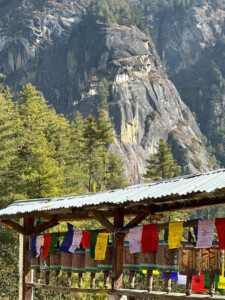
207,182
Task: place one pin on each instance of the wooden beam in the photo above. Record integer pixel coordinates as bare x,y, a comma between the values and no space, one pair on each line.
45,226
67,289
146,210
98,216
163,296
25,292
137,220
118,238
187,205
13,226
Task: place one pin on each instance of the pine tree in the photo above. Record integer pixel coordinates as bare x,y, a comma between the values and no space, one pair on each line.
9,138
161,164
103,94
40,174
116,177
76,167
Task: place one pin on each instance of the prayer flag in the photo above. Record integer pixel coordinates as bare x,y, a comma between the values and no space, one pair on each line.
135,239
174,276
155,272
101,246
46,246
77,236
149,238
196,233
221,284
54,240
220,227
86,239
205,233
93,241
38,245
182,279
175,234
32,247
67,242
198,284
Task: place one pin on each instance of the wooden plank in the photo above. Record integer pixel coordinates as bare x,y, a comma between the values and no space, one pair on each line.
162,296
98,216
45,226
118,238
67,289
25,292
147,210
13,226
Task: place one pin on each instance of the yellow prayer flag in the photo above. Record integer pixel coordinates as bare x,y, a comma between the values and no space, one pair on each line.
101,246
175,234
221,284
155,272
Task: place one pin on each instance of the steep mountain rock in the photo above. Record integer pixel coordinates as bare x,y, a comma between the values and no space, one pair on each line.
144,104
41,43
183,36
34,37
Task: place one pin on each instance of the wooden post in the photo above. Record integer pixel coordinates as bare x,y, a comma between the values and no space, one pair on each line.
188,285
132,279
25,293
106,279
92,280
117,261
211,285
149,280
80,275
167,282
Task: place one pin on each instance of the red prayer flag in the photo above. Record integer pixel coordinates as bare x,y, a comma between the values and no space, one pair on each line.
85,239
220,227
46,246
198,283
149,238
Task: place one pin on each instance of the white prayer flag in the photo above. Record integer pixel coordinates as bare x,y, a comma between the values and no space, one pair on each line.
205,233
182,279
77,237
135,239
38,245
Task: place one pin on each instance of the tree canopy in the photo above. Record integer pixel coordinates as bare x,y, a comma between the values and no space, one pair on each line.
161,164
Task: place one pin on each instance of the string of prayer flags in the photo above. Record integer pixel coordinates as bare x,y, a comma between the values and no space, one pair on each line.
101,246
46,246
32,247
182,279
220,227
77,236
85,239
175,234
198,284
149,238
205,233
38,245
93,241
174,276
221,284
53,244
135,235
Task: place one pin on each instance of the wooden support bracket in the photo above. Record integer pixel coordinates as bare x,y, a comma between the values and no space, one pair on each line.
13,226
147,210
98,216
137,220
45,226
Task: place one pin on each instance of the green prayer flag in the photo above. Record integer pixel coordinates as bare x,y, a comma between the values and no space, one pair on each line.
93,241
54,239
206,280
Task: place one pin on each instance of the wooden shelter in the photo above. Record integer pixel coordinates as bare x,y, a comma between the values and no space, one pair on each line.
109,209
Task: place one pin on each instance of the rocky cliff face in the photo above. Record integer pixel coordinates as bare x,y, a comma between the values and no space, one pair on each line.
144,104
182,37
40,44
